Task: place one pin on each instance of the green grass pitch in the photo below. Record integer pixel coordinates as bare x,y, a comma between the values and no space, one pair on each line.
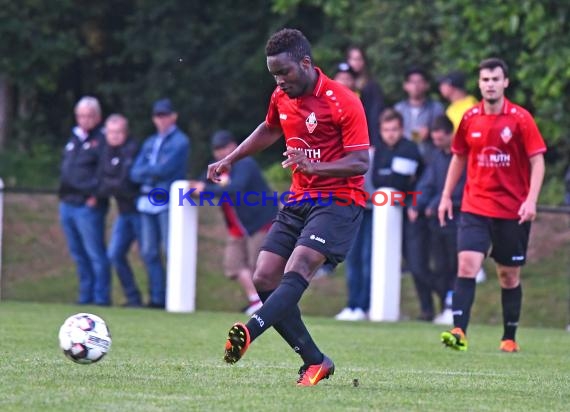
173,362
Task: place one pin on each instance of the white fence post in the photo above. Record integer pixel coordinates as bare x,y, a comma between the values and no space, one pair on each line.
386,260
1,221
182,252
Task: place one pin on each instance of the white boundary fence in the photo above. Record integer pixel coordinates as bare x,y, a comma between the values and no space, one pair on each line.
182,256
183,251
386,271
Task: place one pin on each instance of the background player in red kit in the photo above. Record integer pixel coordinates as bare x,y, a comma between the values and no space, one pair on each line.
327,147
503,150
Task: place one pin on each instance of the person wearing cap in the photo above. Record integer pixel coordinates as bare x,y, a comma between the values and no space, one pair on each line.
247,221
162,160
345,76
452,88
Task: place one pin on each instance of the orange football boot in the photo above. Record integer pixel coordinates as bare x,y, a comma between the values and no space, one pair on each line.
312,374
237,343
509,345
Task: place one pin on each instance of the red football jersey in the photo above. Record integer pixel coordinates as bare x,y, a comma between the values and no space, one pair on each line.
324,125
498,148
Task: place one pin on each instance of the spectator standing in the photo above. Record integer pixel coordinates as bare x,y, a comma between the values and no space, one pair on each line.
247,222
359,260
397,164
82,213
117,158
443,240
162,160
370,92
452,89
418,110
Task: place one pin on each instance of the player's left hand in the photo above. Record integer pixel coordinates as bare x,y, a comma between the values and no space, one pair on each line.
527,211
297,157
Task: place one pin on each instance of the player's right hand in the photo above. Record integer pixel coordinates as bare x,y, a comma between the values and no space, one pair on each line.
215,170
444,210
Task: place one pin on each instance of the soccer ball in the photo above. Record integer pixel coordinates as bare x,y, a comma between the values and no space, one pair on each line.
84,338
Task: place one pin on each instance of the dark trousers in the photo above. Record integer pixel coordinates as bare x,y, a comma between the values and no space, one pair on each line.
416,252
444,256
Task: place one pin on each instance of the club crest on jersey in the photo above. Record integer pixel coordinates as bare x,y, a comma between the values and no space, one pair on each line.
506,134
311,122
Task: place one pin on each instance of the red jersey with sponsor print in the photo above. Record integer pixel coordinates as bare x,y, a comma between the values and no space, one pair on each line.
498,148
325,125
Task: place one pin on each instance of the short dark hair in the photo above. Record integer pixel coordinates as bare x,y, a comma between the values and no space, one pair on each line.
390,114
290,41
493,63
416,70
442,123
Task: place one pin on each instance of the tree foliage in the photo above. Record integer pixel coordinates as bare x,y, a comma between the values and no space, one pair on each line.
209,57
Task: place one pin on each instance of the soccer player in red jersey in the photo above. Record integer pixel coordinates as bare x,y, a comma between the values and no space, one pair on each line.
327,148
502,148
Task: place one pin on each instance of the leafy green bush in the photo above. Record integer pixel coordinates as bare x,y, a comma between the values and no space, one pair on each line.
37,168
278,178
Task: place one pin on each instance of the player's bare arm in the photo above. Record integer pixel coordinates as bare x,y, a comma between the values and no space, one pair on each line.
353,164
527,211
456,167
261,138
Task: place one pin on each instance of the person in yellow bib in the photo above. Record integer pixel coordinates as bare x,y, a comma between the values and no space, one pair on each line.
452,88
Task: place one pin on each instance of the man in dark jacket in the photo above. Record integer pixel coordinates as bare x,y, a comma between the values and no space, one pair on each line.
248,220
443,240
82,213
162,160
117,158
397,164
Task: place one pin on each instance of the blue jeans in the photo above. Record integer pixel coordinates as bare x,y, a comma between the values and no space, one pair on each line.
358,265
84,229
126,230
154,234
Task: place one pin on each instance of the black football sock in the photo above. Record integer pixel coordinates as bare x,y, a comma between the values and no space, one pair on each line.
295,333
463,297
512,301
278,304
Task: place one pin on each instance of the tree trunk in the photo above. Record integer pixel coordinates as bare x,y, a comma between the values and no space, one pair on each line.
6,113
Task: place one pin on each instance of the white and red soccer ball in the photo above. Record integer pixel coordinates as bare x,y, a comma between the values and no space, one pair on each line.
84,338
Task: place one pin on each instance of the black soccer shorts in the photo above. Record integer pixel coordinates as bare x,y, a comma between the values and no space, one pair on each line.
507,240
328,228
